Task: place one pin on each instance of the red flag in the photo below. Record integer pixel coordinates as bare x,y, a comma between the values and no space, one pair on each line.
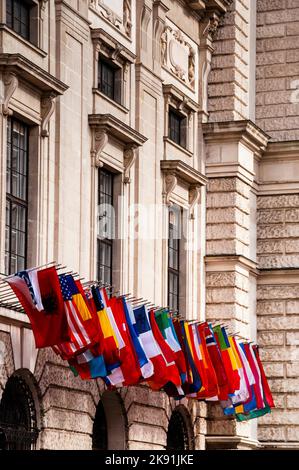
49,325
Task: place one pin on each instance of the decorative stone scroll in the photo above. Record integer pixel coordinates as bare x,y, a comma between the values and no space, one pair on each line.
10,85
47,109
119,14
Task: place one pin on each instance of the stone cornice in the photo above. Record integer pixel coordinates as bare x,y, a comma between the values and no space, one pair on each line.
245,132
209,6
172,92
229,261
29,72
99,36
288,150
183,172
117,128
278,276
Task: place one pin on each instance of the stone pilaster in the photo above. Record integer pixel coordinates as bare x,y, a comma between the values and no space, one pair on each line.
232,150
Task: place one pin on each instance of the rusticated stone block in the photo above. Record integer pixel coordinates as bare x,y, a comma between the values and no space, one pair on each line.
268,262
292,246
278,292
271,231
227,295
227,279
281,417
293,401
293,370
284,385
230,231
226,311
144,414
292,339
292,308
69,400
135,445
68,420
227,247
52,439
270,308
228,185
218,200
228,215
278,323
274,369
221,427
279,400
271,339
289,353
147,434
270,216
271,433
293,433
270,247
277,202
292,215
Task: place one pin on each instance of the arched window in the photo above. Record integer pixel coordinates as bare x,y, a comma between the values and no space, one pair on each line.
110,424
180,435
18,421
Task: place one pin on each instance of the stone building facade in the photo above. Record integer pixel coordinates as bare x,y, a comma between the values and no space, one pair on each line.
182,103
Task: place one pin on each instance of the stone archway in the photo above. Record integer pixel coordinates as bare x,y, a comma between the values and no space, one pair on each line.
180,433
110,424
20,412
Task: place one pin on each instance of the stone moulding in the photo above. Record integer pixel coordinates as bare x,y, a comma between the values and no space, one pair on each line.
18,68
105,125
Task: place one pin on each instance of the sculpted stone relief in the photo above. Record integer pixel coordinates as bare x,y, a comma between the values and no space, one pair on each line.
117,12
178,56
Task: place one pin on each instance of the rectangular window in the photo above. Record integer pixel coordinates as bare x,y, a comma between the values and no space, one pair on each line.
16,196
105,227
177,127
174,257
109,80
18,16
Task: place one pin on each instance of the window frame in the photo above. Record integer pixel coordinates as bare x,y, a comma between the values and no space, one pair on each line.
171,271
117,79
12,199
28,6
180,119
105,241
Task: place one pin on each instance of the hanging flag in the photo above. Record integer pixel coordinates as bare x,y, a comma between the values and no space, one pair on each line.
172,371
49,325
145,364
267,392
212,389
150,346
129,370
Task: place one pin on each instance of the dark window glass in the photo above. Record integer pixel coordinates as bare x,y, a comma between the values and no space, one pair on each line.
174,257
177,128
18,16
105,226
109,80
16,196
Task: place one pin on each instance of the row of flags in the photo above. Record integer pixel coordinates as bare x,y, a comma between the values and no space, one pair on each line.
110,338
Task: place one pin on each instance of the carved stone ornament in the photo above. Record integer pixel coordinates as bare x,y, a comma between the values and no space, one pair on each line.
130,155
211,26
10,85
43,4
127,18
194,197
47,109
119,14
178,55
100,140
170,182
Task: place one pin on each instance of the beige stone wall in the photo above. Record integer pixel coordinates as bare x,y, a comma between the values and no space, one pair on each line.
278,313
277,97
228,81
